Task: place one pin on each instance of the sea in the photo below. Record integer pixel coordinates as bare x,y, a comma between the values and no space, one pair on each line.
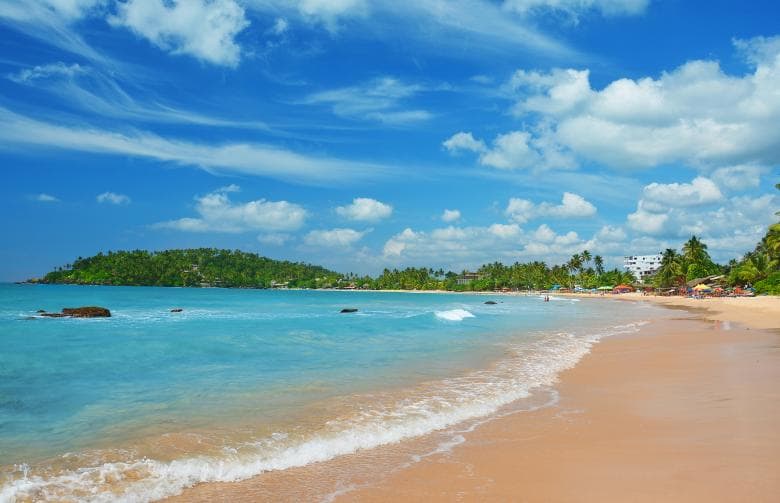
149,402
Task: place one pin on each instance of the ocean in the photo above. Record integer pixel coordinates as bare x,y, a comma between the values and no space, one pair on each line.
141,405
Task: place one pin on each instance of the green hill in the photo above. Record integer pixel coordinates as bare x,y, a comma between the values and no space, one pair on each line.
191,267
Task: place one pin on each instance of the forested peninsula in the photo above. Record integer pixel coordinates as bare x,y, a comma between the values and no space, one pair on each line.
201,267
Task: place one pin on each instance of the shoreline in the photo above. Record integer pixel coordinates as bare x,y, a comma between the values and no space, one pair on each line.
679,355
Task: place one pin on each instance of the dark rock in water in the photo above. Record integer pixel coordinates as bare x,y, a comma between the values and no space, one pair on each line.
30,318
80,312
349,310
87,312
177,310
491,302
39,311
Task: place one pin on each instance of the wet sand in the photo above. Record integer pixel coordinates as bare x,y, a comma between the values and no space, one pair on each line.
685,410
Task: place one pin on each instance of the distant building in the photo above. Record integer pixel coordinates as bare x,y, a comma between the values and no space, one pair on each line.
467,277
642,266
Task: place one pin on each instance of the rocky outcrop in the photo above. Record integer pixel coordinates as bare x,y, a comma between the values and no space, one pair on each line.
349,310
177,310
80,312
491,302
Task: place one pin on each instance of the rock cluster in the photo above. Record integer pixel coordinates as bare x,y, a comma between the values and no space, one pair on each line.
79,312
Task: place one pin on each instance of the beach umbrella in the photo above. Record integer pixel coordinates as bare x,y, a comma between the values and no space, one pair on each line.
604,288
702,288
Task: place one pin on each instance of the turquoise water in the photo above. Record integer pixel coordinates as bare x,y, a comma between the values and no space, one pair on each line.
244,381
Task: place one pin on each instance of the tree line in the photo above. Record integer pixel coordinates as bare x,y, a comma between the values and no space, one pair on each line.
759,268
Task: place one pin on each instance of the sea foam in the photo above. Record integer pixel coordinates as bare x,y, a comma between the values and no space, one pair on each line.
454,315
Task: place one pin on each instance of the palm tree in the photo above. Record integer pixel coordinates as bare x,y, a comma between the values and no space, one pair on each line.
586,256
598,261
670,271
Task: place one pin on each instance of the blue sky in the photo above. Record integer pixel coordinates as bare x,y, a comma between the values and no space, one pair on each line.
363,134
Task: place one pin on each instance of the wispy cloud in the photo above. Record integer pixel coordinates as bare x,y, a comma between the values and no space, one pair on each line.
45,198
245,158
378,100
94,91
479,23
52,23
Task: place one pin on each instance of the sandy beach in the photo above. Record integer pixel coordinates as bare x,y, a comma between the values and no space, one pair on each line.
685,410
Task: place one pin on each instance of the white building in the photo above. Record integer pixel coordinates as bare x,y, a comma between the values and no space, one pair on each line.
642,266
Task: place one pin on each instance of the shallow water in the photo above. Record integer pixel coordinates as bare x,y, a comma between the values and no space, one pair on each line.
147,402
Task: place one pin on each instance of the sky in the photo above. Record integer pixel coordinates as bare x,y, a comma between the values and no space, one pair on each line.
364,134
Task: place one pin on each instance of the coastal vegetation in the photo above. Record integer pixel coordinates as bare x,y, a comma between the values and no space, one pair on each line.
205,267
190,267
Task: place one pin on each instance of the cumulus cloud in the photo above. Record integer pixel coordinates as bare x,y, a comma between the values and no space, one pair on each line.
695,114
45,198
700,191
379,100
464,141
205,29
450,215
465,247
365,209
680,209
333,238
738,177
217,213
113,198
513,150
572,206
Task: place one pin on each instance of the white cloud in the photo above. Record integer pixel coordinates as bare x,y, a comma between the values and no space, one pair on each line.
647,222
273,239
738,177
695,114
505,231
700,191
244,158
45,198
377,100
554,93
59,69
280,26
488,23
572,206
99,92
51,22
464,141
113,198
450,215
510,151
679,210
217,213
460,248
365,209
205,29
514,150
576,7
333,238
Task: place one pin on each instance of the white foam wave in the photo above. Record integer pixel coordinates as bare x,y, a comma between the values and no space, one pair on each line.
454,315
446,403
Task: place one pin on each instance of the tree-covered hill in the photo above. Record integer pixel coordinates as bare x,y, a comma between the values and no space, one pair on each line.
190,267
